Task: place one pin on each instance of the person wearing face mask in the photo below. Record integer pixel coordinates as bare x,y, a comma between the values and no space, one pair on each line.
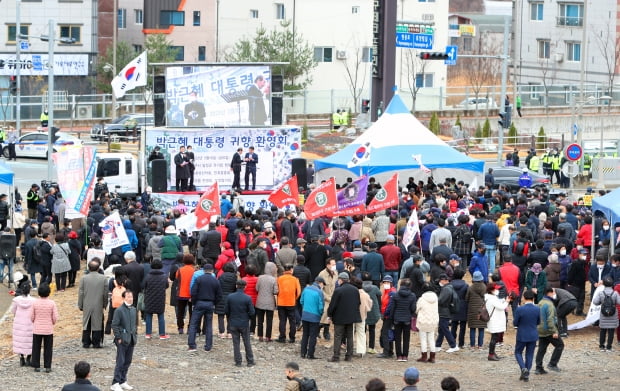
536,280
330,276
497,320
553,270
604,233
615,269
576,280
597,273
548,333
585,232
244,238
388,290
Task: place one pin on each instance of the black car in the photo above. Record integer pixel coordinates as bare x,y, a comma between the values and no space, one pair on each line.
122,126
509,176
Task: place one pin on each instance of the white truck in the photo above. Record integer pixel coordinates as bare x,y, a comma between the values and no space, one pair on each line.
122,173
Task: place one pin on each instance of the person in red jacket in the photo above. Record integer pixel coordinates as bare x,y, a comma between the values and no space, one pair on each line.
585,232
227,255
391,258
250,290
184,277
388,289
510,274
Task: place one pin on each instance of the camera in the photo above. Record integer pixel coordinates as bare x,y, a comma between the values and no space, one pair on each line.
47,185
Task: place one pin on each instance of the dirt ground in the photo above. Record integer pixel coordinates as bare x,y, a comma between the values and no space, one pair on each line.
166,365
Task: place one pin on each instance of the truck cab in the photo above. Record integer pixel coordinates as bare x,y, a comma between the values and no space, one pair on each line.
120,172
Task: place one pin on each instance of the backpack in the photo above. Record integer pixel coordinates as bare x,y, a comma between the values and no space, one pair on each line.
464,234
306,384
455,303
608,307
117,295
520,248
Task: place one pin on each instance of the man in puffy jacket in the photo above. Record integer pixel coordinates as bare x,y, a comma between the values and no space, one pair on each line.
344,311
548,333
445,299
210,241
400,309
312,309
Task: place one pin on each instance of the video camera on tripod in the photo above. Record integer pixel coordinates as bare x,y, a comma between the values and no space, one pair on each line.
46,185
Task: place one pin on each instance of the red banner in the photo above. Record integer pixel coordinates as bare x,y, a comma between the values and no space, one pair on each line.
208,205
322,201
286,194
386,197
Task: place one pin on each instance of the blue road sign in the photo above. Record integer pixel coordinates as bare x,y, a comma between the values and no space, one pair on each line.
574,152
452,53
414,40
23,45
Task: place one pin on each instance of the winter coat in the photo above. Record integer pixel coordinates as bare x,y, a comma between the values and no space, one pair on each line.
250,288
155,287
365,304
22,324
92,300
427,312
76,254
373,264
479,263
553,274
289,290
497,312
239,309
344,307
607,322
402,306
475,301
267,288
60,258
328,290
374,314
225,257
33,264
445,298
312,304
461,288
541,282
44,315
227,282
367,233
380,226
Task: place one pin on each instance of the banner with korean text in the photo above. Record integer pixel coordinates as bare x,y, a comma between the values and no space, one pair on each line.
75,170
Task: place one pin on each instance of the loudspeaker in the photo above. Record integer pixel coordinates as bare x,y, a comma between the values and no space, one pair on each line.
159,85
8,242
159,174
276,110
298,167
159,112
277,83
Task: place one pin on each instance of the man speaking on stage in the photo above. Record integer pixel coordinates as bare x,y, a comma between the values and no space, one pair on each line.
251,160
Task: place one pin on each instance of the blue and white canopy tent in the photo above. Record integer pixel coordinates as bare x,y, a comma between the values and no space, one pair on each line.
394,140
609,205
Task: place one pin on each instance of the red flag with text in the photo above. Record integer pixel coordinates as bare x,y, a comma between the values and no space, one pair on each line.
386,197
208,205
286,194
322,201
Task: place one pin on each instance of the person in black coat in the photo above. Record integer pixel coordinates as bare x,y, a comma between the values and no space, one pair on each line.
82,373
576,280
227,282
459,320
155,286
46,259
135,275
316,255
210,241
75,257
235,167
303,274
31,263
344,311
240,310
401,309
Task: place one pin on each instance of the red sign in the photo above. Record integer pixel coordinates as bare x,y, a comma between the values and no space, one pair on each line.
573,152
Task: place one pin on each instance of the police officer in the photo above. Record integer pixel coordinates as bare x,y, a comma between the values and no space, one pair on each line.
546,162
534,162
555,166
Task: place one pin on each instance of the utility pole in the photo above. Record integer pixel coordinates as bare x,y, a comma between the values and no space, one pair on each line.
500,135
18,65
383,55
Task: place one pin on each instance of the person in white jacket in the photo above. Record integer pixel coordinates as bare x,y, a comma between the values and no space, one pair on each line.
497,316
427,311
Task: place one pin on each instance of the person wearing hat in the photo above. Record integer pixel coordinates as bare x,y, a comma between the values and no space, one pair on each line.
239,310
32,201
343,312
22,323
387,291
205,292
475,300
373,263
312,304
479,262
525,180
411,377
536,280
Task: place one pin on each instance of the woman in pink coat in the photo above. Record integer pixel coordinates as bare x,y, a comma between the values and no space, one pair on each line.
22,325
44,315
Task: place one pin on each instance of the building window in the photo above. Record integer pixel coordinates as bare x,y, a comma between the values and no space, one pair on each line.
137,48
573,51
467,44
179,53
423,80
536,11
196,18
280,13
121,18
322,54
202,53
254,14
139,16
11,32
544,48
355,9
367,54
68,31
570,15
171,18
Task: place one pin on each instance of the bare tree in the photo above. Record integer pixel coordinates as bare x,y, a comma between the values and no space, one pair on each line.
481,71
356,71
609,47
414,66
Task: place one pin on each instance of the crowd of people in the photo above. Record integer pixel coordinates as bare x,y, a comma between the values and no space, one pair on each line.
334,279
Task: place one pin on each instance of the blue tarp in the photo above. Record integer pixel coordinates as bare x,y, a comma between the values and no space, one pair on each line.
609,204
6,175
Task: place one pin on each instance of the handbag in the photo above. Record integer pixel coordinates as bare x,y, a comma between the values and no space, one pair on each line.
414,324
483,313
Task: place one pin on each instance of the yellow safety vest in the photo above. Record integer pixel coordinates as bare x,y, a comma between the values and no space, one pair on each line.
587,162
534,163
344,118
336,119
44,117
555,162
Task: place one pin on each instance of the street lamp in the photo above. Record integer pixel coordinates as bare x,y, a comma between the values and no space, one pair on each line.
50,87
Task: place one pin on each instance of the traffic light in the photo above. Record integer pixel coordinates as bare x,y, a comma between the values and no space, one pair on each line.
505,117
365,105
13,86
434,56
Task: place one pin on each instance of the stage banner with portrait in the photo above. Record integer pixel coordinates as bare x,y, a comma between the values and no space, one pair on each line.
213,150
168,201
227,95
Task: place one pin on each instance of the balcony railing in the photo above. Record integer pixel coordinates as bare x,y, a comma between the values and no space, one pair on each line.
571,21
